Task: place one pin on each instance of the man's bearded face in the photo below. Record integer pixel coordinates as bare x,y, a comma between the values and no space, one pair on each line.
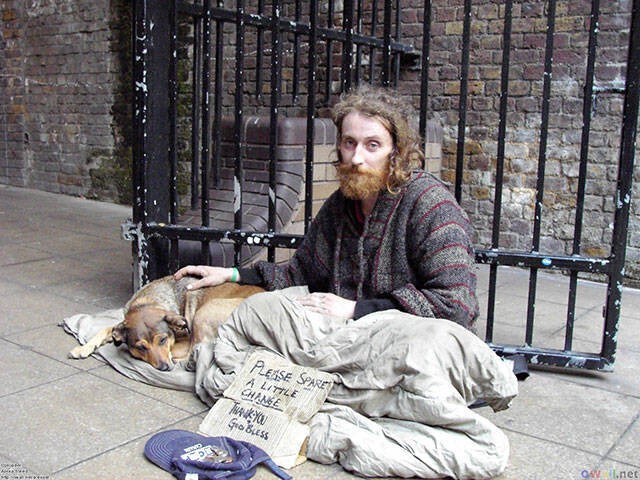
364,151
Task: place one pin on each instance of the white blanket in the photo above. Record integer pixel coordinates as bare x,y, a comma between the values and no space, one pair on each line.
399,406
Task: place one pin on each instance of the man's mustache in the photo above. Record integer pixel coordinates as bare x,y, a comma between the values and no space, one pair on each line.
350,169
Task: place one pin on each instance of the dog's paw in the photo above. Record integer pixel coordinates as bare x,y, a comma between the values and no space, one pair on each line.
81,351
177,323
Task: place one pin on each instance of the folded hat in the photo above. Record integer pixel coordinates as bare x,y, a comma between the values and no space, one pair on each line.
190,456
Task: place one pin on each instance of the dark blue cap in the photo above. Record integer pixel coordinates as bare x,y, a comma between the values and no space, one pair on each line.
190,456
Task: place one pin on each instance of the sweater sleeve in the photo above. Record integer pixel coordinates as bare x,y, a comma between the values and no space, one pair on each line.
250,276
443,280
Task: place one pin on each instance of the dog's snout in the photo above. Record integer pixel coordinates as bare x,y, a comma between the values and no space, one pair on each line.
164,367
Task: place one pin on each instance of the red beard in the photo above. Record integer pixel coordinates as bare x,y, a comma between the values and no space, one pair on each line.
360,182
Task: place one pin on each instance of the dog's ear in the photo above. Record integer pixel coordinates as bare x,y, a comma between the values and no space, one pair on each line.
119,334
176,322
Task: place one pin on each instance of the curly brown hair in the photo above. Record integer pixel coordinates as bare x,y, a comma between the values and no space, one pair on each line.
395,114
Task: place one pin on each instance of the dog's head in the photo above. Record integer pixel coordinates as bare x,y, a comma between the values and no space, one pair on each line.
150,333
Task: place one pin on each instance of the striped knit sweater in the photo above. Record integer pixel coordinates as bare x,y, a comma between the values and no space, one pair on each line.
413,252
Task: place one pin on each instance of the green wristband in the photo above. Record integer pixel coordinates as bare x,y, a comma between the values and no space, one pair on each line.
235,275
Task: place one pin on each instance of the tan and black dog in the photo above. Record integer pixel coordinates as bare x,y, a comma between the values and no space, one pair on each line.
163,321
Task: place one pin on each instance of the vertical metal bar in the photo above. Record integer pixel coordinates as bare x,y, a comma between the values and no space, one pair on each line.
173,109
386,49
311,103
238,136
358,69
276,63
173,113
542,158
502,133
151,84
196,98
260,52
624,190
296,55
205,252
347,47
462,102
424,69
329,75
139,167
396,57
217,106
584,160
372,51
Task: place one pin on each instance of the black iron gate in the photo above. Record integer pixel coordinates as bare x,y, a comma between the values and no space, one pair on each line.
200,68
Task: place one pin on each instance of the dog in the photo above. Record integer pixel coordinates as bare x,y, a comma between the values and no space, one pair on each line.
164,320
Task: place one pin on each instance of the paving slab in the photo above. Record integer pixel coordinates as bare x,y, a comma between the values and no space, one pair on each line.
534,458
51,271
123,461
187,401
90,416
568,413
16,377
54,343
629,328
627,450
27,308
17,254
71,244
91,292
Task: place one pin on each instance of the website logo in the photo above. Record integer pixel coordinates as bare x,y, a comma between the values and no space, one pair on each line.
611,474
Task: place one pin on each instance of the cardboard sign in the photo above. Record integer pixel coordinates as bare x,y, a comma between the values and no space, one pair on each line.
269,404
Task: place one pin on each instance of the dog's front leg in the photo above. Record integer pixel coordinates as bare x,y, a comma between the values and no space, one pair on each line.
101,338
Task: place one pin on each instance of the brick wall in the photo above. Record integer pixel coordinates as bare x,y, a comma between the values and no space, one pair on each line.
12,97
56,92
524,118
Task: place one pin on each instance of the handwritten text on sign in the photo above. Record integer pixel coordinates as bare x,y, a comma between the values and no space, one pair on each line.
272,382
270,387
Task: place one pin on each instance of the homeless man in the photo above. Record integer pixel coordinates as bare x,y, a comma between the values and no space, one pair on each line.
381,293
391,237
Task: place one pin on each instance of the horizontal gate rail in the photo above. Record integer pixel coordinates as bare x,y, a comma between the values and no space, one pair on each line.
326,33
238,237
556,358
282,240
542,261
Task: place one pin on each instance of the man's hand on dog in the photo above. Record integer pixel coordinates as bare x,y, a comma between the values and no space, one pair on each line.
324,303
209,276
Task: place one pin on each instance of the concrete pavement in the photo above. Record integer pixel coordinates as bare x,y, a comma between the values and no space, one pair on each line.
67,419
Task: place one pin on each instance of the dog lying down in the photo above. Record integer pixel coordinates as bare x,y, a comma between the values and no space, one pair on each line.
163,321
